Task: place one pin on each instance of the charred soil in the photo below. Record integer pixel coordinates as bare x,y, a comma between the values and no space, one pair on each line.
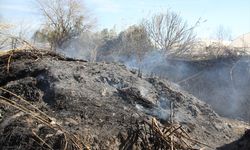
77,104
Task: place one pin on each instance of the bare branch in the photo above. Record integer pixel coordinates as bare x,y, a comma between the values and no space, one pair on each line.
64,20
170,33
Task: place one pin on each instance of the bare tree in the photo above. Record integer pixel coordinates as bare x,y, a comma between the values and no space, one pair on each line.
132,43
135,42
2,40
5,41
64,20
13,36
223,34
89,43
220,46
244,43
170,33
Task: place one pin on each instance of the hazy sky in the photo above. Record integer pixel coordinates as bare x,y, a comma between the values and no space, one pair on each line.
234,15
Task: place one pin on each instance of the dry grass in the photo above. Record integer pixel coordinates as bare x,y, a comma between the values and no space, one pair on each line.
19,44
23,45
9,51
149,134
3,52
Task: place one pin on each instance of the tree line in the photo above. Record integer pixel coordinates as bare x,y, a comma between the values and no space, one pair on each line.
66,21
67,27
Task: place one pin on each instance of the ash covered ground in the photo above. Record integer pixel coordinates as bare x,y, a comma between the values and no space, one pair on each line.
99,102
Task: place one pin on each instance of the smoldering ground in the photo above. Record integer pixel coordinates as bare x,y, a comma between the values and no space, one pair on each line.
222,82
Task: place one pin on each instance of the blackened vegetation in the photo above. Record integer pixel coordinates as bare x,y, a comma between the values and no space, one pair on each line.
31,128
242,143
149,134
27,135
29,70
218,81
134,96
73,104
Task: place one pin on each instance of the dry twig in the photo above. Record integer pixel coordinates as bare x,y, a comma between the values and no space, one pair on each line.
152,135
26,107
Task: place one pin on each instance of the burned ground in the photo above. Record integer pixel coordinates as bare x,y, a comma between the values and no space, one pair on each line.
241,143
98,102
222,81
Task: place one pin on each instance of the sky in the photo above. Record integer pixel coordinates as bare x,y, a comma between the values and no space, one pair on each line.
233,15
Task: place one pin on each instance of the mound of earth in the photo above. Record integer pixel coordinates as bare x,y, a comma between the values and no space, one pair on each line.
99,102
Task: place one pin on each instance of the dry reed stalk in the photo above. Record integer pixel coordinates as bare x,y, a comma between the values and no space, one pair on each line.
42,117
